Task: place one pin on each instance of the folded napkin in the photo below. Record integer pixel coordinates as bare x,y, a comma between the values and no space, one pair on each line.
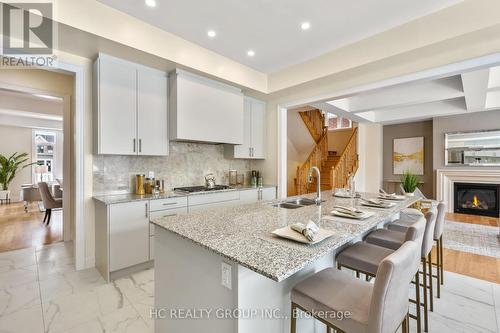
349,210
377,203
309,230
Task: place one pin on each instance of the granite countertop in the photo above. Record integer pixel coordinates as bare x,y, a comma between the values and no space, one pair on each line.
129,197
243,233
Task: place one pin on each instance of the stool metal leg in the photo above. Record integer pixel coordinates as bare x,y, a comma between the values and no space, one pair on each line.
438,269
429,264
426,318
417,299
442,259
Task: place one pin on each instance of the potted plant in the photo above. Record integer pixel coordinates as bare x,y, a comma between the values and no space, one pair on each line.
8,169
409,181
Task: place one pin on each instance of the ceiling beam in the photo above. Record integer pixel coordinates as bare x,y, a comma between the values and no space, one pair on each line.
403,95
326,107
475,89
420,111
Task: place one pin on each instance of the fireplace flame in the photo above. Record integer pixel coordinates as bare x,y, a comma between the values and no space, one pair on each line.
475,202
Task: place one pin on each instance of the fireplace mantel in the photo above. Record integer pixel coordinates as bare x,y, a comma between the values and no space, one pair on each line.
445,179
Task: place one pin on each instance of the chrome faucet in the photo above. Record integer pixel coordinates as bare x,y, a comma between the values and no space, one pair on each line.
318,185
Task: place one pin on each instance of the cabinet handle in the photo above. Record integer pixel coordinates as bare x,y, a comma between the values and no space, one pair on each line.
140,145
146,209
249,152
169,215
134,145
169,203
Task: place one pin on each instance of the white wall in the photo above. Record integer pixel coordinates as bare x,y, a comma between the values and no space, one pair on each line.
370,172
16,139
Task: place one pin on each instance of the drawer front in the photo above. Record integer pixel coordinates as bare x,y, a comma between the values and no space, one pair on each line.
204,199
165,213
170,203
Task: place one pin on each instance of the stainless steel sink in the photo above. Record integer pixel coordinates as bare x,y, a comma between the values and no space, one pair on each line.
295,203
301,202
287,205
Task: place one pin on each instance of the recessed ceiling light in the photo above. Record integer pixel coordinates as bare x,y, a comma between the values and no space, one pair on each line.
150,3
251,53
305,26
211,33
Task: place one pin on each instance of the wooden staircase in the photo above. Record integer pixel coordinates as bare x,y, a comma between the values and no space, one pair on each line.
335,169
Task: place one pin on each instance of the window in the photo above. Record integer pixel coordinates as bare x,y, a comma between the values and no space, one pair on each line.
335,122
44,146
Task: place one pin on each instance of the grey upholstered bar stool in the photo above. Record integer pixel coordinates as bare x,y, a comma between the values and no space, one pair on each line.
375,308
401,225
365,258
390,238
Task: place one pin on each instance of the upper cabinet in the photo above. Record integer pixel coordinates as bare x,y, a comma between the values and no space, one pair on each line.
254,132
130,108
204,110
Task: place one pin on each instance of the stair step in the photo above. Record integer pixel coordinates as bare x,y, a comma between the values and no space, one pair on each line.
332,153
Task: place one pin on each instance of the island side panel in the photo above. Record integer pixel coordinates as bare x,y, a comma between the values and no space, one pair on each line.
262,294
188,276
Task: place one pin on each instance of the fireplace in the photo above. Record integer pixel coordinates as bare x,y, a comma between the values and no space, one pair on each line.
477,199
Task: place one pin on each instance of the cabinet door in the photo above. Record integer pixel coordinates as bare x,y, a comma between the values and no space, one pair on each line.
258,129
268,193
243,151
117,125
249,196
152,112
128,234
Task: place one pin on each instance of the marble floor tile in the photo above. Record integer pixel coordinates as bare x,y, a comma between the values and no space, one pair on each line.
461,312
144,308
69,311
20,297
55,251
70,282
138,286
12,260
496,298
471,288
18,276
60,265
28,320
125,320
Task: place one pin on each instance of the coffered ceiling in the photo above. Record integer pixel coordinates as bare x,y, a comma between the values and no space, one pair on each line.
468,92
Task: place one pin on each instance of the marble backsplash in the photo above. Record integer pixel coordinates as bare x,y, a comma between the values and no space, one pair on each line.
186,165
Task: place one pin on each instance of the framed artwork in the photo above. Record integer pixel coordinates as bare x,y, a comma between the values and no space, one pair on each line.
408,154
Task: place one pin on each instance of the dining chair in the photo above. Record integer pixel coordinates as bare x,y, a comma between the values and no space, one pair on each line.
49,202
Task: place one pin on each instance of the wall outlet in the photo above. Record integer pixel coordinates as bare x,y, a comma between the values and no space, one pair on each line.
227,276
151,174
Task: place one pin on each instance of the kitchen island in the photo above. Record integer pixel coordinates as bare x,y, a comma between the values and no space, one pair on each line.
222,270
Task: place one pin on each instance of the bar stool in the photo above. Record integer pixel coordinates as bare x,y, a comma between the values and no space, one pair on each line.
389,238
374,308
438,238
366,258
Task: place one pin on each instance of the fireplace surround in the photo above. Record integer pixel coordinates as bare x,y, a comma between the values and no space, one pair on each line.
476,199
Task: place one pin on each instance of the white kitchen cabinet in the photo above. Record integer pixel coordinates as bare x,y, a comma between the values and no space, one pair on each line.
130,108
268,193
115,106
204,110
254,132
257,194
152,116
128,234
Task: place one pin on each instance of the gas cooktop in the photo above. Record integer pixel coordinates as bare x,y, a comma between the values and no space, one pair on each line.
193,189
